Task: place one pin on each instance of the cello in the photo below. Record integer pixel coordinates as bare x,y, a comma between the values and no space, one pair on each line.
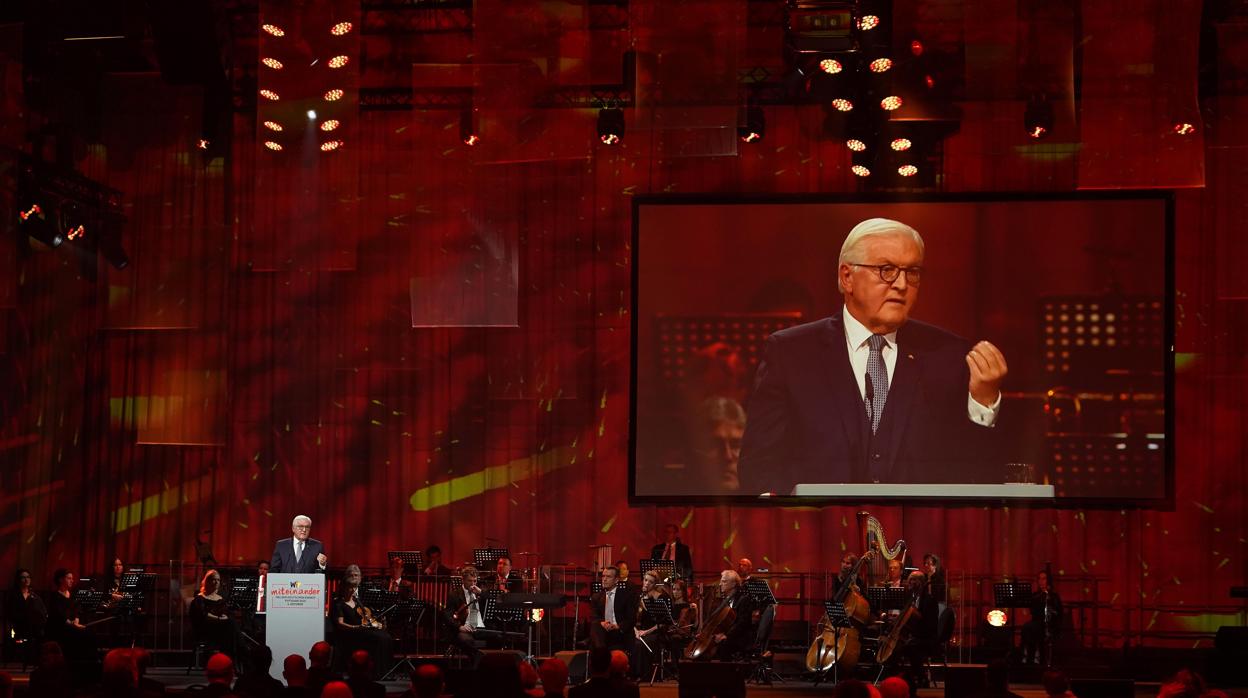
839,646
703,645
891,640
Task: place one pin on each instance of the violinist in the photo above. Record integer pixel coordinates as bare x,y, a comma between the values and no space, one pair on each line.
1046,616
355,626
684,611
464,612
651,635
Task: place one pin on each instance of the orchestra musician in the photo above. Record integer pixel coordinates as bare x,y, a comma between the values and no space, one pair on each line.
64,624
211,621
894,580
26,614
921,642
354,626
394,581
111,583
433,563
1046,615
676,551
738,638
622,566
651,635
935,571
465,613
847,567
504,578
685,611
613,613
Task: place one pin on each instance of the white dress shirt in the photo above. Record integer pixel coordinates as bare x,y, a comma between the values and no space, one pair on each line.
856,336
474,612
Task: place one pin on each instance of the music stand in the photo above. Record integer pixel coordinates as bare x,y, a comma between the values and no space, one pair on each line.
412,560
486,559
88,600
666,569
1012,594
660,611
760,591
888,598
403,608
837,619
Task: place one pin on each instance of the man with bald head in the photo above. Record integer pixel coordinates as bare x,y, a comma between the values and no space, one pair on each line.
301,553
868,394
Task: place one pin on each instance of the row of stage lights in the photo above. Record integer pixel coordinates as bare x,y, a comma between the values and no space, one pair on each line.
329,96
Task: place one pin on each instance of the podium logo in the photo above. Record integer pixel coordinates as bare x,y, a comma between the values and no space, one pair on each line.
296,585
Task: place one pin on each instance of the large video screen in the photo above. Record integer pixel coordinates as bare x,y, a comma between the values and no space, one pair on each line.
954,348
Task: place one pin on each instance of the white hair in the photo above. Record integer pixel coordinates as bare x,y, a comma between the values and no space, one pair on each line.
731,574
852,247
295,521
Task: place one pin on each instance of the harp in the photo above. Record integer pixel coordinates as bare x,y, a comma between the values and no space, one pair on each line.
873,537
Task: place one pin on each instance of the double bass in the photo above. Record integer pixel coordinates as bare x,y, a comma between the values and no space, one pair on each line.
840,646
893,638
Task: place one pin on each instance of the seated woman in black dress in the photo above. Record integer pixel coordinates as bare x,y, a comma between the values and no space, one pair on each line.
64,625
210,617
26,614
651,635
351,631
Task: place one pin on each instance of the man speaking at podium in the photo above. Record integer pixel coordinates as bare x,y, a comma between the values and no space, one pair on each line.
868,395
299,554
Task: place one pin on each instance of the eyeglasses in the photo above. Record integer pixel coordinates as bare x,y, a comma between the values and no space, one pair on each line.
309,528
889,272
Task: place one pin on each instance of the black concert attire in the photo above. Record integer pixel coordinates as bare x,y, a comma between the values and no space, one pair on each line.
678,553
219,633
514,583
938,587
27,618
77,644
839,581
686,615
740,634
375,641
402,586
465,608
921,643
1046,616
649,646
440,571
624,602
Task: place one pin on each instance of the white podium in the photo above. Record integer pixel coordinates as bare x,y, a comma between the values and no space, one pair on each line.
295,610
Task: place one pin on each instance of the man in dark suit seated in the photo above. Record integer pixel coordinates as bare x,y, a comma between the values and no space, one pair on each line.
676,551
867,394
613,614
299,554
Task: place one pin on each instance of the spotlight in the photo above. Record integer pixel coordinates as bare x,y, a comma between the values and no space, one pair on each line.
202,144
311,113
881,65
1038,117
1184,128
72,220
900,144
860,170
907,170
34,224
338,61
273,145
272,63
468,133
330,145
842,105
997,618
831,66
890,103
754,126
340,28
610,125
916,48
868,22
273,29
333,95
855,145
270,94
329,125
273,126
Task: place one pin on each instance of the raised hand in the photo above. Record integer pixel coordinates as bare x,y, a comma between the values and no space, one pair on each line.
988,369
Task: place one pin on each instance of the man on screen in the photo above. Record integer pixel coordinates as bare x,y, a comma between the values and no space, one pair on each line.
868,395
300,553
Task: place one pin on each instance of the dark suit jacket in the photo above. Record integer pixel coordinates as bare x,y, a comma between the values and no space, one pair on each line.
808,421
684,560
626,601
284,557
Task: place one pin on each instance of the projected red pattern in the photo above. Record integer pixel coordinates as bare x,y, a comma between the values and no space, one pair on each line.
338,409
